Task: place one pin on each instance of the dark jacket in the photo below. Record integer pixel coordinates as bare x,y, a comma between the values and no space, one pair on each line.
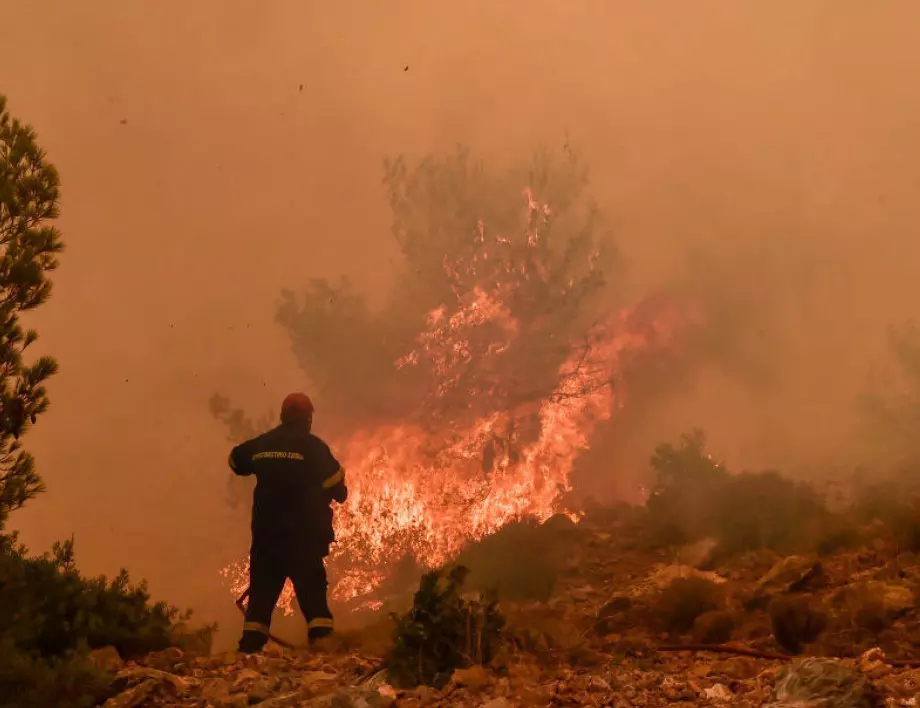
297,478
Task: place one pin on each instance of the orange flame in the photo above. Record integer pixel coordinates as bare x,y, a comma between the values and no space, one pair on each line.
428,493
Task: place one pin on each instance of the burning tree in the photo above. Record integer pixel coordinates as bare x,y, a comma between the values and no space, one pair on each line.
461,403
484,261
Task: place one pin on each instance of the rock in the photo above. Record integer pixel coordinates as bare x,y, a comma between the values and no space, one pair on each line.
701,670
896,599
616,606
228,658
697,555
663,577
312,678
139,673
614,615
524,673
789,571
596,684
106,659
873,664
875,605
474,677
386,695
245,677
262,692
165,660
424,694
718,693
714,627
737,668
824,683
497,703
133,696
215,691
274,650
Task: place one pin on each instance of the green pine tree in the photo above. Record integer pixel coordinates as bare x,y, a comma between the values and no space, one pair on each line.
50,614
29,246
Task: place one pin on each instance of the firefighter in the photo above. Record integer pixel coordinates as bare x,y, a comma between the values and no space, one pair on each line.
297,479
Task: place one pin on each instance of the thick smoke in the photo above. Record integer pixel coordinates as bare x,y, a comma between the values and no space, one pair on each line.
760,157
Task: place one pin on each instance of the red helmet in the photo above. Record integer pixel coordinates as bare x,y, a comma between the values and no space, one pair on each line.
296,407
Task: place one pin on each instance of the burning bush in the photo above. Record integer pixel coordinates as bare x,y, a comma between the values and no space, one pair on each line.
443,631
462,403
50,616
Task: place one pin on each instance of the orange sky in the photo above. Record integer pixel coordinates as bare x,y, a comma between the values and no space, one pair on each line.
780,136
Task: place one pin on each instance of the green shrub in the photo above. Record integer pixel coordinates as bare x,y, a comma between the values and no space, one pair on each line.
694,498
443,631
687,486
765,510
30,681
521,562
51,616
896,505
840,533
46,606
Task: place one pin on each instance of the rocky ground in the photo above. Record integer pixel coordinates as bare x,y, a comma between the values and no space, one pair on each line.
838,628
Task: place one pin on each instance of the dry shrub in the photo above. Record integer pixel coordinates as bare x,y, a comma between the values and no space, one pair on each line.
521,562
873,606
694,498
714,627
796,622
680,603
841,534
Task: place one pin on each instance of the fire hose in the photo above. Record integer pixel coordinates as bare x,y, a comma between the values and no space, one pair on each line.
240,604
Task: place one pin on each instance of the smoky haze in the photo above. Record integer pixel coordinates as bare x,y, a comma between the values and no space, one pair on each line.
763,153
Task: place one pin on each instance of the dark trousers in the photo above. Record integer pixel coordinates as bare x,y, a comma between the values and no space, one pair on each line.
269,568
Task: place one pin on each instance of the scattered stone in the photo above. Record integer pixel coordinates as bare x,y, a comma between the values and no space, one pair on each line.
666,575
387,695
895,599
822,682
737,668
701,670
497,703
597,685
133,696
613,615
789,571
718,693
178,684
875,605
873,664
215,691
